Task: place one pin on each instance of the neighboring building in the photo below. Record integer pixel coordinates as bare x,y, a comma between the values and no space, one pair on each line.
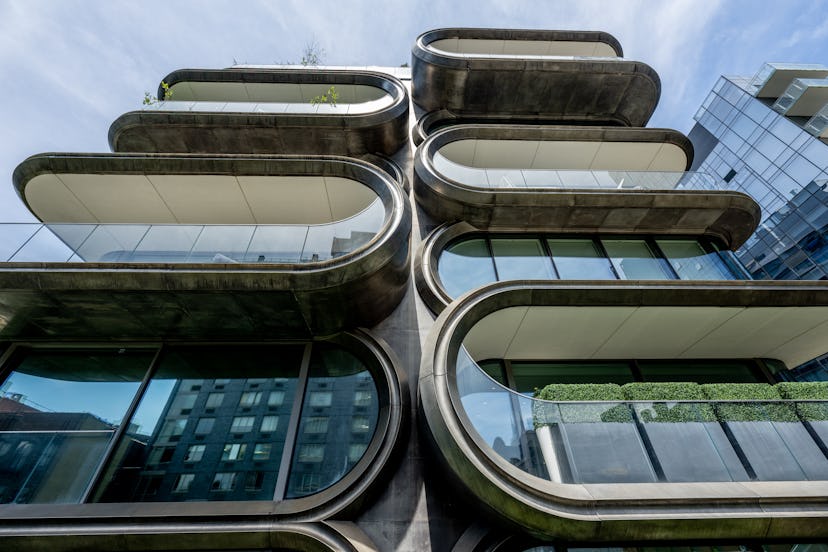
231,338
766,136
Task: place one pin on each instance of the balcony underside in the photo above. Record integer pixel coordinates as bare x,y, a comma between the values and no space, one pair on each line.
608,90
784,319
330,131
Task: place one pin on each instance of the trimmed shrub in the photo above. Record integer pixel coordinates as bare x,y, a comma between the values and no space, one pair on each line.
748,412
545,414
803,391
667,392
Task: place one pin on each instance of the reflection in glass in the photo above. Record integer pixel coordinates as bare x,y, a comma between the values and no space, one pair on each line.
521,259
466,265
58,412
529,376
226,434
322,458
634,260
579,259
691,262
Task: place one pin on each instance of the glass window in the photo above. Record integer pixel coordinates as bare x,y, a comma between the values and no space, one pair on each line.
233,451
466,265
356,451
177,371
579,259
269,424
276,398
320,399
701,371
691,262
250,399
316,424
214,400
634,260
242,424
60,410
224,481
172,429
261,452
204,426
183,482
184,403
195,453
316,466
521,259
529,376
253,481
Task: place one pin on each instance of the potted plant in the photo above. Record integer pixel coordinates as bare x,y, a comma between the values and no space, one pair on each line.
585,441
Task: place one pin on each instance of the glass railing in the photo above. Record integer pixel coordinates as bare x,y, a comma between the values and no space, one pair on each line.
569,179
189,243
818,124
340,108
647,441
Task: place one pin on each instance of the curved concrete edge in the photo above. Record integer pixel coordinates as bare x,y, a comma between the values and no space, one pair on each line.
593,513
292,300
241,520
332,536
522,34
384,131
566,88
426,259
727,215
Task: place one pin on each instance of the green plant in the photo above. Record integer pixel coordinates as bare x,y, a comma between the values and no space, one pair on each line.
668,392
313,54
545,414
803,391
149,99
329,97
747,411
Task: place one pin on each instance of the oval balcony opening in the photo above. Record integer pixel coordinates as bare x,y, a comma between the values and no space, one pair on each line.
522,48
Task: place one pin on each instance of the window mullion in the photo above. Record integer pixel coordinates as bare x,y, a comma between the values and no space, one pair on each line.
293,426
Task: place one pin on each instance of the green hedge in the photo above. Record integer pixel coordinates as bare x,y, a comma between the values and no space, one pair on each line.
669,391
545,414
807,390
748,412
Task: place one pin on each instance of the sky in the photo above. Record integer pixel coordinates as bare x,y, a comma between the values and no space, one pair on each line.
71,67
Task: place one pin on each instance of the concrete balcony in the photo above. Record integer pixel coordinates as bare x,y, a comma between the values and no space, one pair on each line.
557,75
269,111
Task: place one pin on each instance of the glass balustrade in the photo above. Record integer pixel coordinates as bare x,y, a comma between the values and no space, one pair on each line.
567,179
299,107
189,243
646,441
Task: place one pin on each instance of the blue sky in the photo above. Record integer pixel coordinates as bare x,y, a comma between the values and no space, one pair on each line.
70,67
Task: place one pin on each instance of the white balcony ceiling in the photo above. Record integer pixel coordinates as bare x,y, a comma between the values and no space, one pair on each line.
262,92
791,334
195,199
486,47
566,155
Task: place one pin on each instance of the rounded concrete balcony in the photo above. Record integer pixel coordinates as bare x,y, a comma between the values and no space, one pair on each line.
575,179
284,246
628,469
267,111
573,76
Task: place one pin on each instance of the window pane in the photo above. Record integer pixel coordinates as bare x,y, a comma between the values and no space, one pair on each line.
60,409
700,371
521,259
465,266
634,260
228,436
691,262
579,259
320,460
531,375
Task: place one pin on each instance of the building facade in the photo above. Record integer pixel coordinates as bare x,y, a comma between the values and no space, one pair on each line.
474,305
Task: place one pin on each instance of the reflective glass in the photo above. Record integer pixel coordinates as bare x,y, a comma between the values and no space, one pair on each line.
466,265
521,259
58,412
320,459
734,371
579,259
634,260
691,262
231,423
529,376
